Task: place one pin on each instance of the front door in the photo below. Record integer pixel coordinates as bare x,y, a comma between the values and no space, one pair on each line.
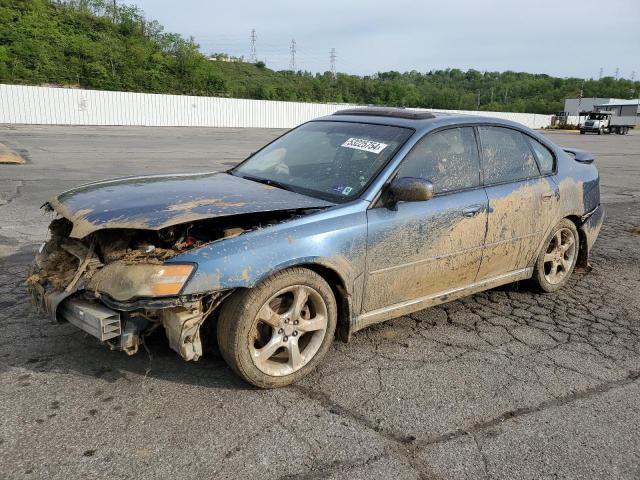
419,249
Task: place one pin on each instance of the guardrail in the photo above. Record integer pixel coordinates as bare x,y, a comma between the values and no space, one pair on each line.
20,104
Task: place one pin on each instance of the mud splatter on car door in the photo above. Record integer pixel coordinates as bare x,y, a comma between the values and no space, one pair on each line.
422,248
522,204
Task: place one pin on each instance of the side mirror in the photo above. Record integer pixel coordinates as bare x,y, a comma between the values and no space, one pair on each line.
409,189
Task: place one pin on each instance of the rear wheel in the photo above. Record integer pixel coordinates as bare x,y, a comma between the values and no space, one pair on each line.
277,332
558,258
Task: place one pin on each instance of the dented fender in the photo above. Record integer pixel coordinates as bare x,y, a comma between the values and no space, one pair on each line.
335,239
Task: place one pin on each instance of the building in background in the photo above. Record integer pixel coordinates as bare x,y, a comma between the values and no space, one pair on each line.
573,107
223,57
622,108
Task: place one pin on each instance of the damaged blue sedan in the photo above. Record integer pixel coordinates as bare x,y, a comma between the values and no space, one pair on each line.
342,222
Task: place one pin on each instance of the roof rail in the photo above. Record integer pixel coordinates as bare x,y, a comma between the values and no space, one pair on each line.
388,112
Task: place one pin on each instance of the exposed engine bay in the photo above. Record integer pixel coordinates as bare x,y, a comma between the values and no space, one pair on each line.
115,284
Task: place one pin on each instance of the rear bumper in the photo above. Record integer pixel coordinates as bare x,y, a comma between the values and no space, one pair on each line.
590,228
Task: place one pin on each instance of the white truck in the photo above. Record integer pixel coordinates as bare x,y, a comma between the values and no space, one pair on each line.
604,122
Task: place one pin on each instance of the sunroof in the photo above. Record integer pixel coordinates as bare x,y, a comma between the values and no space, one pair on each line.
387,112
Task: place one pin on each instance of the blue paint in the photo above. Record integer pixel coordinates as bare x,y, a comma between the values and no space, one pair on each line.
353,239
159,201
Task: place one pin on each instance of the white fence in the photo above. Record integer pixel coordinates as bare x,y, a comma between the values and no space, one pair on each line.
21,104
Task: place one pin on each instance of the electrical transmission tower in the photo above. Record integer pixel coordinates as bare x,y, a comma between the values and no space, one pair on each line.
252,51
633,76
617,73
332,62
292,61
601,73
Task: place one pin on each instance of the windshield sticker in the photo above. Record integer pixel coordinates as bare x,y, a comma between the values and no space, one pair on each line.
342,190
365,145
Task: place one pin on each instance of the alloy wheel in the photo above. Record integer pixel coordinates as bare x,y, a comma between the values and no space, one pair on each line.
560,256
288,330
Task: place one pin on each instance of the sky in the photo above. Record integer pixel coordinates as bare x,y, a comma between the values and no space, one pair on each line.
565,38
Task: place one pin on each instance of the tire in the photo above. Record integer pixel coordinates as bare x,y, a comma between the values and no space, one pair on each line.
544,279
261,352
582,132
600,131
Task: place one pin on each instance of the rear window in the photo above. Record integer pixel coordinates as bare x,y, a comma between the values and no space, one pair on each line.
543,155
506,156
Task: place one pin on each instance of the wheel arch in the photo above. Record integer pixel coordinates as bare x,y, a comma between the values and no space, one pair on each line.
341,294
336,281
583,250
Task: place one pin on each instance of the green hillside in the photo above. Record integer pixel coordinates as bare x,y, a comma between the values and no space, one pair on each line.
87,43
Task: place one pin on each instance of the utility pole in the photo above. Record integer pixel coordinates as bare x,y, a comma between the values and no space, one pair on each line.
252,50
491,95
617,73
600,74
332,62
580,101
292,62
478,100
633,76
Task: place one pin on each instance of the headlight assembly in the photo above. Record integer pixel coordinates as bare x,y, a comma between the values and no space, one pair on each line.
122,281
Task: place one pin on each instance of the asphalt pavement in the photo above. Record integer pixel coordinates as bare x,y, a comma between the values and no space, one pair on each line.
503,384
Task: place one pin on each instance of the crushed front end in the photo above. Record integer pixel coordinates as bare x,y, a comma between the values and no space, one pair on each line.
111,264
120,285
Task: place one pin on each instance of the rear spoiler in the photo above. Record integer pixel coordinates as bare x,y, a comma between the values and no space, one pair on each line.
581,156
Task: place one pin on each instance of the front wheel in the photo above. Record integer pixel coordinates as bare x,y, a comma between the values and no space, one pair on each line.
277,332
558,257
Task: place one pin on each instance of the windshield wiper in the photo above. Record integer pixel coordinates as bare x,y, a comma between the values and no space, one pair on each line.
267,181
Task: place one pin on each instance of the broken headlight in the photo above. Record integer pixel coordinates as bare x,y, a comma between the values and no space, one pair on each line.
122,281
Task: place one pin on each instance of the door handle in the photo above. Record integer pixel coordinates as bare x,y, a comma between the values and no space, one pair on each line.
472,211
547,196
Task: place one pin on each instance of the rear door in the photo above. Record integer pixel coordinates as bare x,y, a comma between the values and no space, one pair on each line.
419,249
523,198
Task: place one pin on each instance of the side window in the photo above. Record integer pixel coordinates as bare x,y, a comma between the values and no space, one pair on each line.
506,156
448,159
543,154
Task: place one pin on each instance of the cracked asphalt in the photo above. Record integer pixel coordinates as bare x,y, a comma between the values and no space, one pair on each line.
503,384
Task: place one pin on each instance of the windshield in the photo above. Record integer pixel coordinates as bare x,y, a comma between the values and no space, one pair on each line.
330,160
597,116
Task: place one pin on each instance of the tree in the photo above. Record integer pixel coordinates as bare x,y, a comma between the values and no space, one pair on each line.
91,44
